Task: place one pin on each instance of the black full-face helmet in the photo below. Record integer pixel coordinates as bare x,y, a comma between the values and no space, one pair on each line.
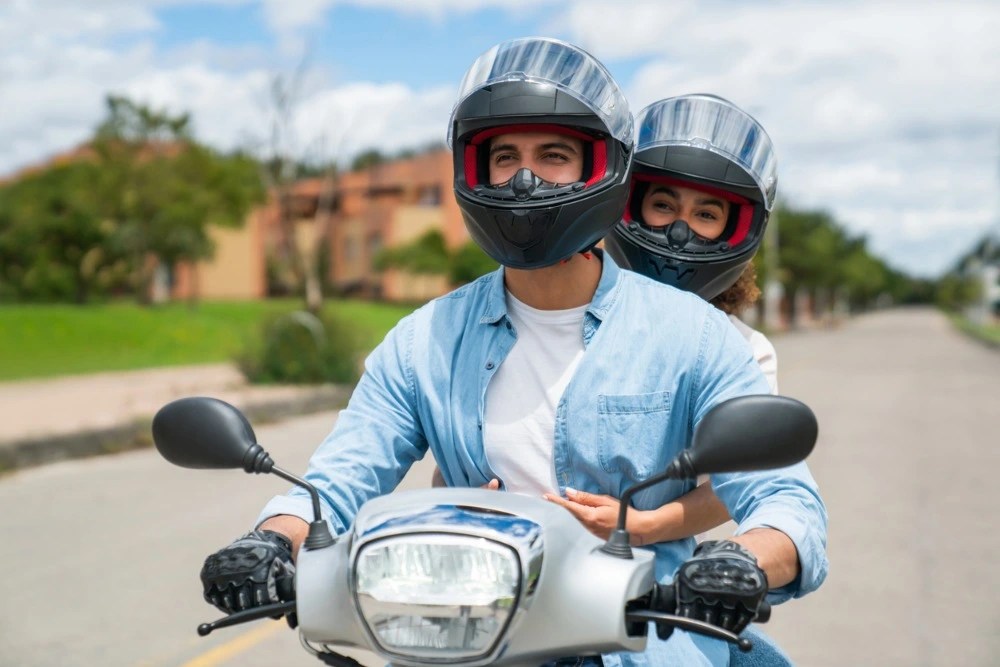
540,85
706,143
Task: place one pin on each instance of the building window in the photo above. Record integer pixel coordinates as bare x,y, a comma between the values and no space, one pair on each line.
350,249
429,195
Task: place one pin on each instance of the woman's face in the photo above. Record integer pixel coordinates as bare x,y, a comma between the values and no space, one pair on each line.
552,157
704,213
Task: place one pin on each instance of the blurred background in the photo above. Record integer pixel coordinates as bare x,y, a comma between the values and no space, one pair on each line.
241,197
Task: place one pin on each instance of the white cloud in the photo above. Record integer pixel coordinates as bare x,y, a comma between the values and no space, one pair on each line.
56,67
385,116
884,113
884,107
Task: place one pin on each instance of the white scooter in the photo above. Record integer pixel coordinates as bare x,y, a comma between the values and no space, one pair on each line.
472,577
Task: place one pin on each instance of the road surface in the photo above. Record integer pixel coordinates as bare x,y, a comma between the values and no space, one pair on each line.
101,556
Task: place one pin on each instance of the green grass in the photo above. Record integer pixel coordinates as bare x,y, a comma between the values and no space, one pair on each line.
987,333
49,340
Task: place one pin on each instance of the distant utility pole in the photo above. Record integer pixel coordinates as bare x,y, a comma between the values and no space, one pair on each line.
773,289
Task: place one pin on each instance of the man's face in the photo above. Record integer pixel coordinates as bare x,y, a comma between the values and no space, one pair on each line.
552,157
705,214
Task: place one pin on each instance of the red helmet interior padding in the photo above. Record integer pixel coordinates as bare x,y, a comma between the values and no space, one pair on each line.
745,213
600,149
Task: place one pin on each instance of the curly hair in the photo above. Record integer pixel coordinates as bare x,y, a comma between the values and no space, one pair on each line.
740,295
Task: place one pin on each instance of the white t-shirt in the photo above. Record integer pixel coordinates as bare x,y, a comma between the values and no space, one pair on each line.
763,351
523,394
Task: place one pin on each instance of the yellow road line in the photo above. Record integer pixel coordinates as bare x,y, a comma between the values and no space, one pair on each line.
234,647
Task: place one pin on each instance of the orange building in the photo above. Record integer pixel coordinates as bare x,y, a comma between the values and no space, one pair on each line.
237,271
358,213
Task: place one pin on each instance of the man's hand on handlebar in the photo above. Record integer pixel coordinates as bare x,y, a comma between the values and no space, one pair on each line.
721,584
253,571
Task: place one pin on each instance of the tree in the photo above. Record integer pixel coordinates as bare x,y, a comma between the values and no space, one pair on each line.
468,262
283,166
366,159
426,255
53,240
429,255
817,255
954,292
161,190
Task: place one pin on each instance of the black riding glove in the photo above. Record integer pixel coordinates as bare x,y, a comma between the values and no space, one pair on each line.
721,584
253,571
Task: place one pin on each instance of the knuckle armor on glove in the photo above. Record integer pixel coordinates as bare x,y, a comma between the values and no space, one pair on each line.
721,584
253,571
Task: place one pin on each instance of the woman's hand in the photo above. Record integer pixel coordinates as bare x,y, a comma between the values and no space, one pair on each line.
598,513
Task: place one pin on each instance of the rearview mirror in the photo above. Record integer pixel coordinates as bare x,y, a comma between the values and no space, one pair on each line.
751,433
202,432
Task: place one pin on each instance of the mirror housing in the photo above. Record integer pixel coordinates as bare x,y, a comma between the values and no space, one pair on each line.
749,433
202,432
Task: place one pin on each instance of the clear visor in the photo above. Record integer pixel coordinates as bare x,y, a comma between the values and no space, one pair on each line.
562,65
714,124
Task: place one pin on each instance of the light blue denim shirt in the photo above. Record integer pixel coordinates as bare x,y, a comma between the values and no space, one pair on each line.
656,360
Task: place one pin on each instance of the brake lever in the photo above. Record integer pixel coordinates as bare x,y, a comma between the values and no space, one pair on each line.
691,625
247,615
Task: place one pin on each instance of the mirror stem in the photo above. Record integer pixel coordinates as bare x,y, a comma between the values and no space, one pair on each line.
619,543
319,533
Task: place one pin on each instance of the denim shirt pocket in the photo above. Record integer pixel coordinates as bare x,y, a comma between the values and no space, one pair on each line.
631,429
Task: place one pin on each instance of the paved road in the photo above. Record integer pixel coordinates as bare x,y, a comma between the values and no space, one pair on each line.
101,556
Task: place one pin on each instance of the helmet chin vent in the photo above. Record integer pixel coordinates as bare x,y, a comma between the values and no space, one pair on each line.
678,235
523,184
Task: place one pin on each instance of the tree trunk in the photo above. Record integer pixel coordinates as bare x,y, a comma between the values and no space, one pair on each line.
314,292
194,295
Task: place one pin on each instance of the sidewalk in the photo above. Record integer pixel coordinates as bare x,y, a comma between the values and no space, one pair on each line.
53,419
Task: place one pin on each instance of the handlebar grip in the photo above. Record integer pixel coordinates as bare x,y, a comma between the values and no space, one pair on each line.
664,598
763,612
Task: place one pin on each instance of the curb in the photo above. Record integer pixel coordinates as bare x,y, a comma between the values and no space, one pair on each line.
39,450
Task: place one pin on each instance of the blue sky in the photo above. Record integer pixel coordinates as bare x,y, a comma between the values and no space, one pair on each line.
884,113
369,44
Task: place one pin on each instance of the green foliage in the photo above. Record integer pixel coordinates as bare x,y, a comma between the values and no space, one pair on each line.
426,255
815,252
54,244
147,192
954,292
469,262
429,255
368,158
374,157
162,190
301,348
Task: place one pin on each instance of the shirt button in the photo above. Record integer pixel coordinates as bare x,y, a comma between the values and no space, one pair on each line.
508,326
489,365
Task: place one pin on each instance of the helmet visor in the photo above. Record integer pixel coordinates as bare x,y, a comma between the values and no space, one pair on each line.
564,66
716,125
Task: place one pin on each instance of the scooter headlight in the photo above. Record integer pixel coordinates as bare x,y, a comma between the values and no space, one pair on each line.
443,597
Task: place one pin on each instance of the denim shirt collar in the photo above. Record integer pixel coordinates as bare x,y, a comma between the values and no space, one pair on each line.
604,297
